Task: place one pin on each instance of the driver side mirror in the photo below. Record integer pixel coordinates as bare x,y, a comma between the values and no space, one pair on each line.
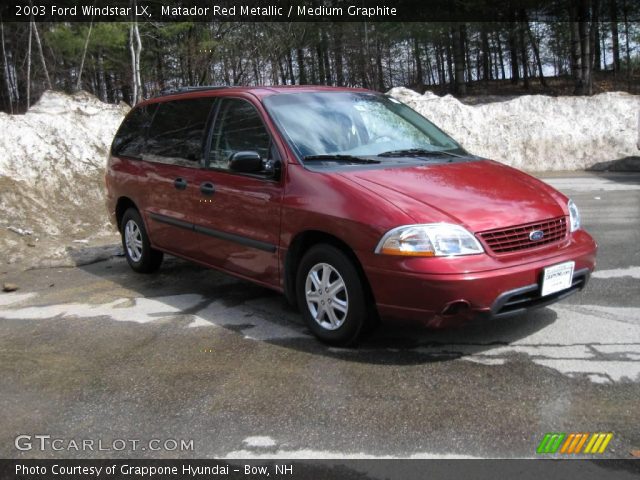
246,162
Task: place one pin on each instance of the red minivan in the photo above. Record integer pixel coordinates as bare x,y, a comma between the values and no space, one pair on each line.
349,202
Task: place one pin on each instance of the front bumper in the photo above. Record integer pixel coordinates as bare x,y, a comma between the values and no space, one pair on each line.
522,299
448,299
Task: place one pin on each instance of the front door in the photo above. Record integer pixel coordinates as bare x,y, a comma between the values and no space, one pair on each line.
239,214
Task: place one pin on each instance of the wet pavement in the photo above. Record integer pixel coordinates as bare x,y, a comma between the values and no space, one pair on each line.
188,354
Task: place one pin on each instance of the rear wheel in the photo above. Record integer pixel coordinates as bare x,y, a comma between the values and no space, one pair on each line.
135,241
331,295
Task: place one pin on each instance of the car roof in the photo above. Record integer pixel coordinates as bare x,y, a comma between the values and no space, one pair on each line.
258,91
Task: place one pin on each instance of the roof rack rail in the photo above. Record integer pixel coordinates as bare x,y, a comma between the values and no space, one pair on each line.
175,90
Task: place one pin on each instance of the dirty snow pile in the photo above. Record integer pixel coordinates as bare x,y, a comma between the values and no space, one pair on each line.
52,158
536,132
52,163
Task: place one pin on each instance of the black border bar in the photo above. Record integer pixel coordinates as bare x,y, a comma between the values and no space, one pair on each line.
285,10
344,469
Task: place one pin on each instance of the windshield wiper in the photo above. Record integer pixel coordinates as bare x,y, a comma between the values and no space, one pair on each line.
418,152
340,158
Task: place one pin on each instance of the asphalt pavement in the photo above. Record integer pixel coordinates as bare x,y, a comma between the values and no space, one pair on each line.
98,353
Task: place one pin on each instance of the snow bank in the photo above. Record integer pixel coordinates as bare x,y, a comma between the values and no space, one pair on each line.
535,132
60,137
52,158
51,174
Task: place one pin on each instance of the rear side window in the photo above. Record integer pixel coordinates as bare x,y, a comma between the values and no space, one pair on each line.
130,139
176,134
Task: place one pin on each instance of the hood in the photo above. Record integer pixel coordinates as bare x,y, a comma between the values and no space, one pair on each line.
480,195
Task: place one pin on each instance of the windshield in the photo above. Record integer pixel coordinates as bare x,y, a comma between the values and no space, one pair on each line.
355,124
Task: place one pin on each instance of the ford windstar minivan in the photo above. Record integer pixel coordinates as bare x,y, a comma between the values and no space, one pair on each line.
353,205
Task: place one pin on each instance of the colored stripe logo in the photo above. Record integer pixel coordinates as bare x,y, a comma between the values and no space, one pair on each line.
573,443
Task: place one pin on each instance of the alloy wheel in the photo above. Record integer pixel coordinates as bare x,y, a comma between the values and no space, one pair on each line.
327,297
133,240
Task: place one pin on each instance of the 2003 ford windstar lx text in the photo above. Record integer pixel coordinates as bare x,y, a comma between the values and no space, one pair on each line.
347,201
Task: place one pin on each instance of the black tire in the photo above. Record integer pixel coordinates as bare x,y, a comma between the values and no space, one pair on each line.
148,259
348,327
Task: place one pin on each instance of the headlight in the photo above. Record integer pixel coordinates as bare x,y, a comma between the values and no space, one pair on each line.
432,240
574,216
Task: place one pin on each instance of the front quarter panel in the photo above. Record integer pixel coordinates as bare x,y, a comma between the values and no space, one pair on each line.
328,203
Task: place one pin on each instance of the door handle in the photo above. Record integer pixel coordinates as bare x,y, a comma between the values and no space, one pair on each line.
207,188
180,183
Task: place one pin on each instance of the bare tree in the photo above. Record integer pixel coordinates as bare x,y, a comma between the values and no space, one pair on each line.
135,46
44,63
84,54
29,65
6,69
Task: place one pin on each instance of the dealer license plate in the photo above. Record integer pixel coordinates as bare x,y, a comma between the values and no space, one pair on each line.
556,278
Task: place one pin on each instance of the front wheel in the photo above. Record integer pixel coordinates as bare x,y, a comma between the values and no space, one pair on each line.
331,295
135,241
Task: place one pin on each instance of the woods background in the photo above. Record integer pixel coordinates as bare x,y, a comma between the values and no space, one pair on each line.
589,46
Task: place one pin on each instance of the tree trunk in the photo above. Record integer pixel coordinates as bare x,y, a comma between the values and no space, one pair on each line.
450,77
495,62
283,72
523,52
416,53
576,68
457,34
603,50
585,56
500,55
364,56
536,54
289,65
29,65
84,55
615,42
320,54
379,70
337,55
42,60
312,67
466,50
595,37
7,78
327,64
430,75
256,73
625,8
440,64
112,92
513,52
486,54
134,85
101,78
135,47
302,76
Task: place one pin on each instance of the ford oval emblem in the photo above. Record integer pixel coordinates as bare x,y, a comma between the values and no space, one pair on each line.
536,235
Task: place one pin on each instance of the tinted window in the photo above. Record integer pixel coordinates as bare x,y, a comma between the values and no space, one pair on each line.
176,134
130,138
238,128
